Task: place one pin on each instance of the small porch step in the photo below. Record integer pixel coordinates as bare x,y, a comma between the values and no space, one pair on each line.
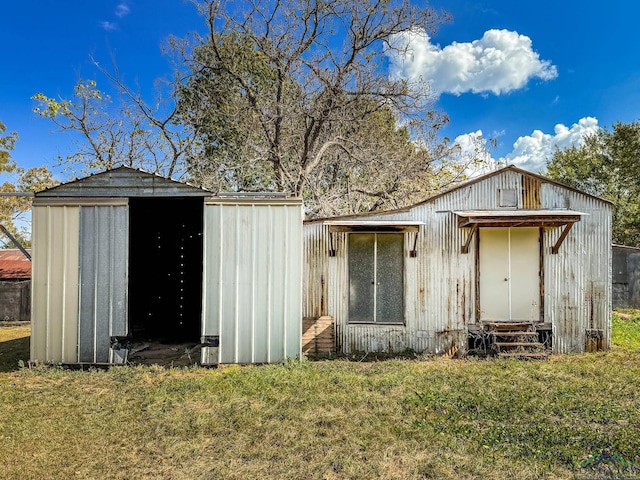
509,326
514,334
519,344
537,355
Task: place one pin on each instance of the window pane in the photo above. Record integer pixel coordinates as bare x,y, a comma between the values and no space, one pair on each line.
390,291
361,277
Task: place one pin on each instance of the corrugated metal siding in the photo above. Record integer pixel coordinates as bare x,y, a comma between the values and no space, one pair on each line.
252,279
440,283
578,279
54,308
104,241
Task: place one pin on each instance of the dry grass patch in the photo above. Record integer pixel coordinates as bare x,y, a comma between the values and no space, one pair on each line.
393,419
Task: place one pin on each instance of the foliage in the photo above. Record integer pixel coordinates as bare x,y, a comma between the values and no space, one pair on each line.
125,132
607,166
295,96
396,419
17,179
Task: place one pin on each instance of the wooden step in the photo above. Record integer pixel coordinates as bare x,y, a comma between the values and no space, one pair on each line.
514,334
518,344
523,354
508,325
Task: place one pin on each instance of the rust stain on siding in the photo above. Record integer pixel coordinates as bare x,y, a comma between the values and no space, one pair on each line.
531,192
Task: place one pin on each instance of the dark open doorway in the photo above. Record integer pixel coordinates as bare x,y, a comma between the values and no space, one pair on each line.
165,269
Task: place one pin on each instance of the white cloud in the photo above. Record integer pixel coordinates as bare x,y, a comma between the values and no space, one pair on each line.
530,152
122,10
474,152
500,62
109,26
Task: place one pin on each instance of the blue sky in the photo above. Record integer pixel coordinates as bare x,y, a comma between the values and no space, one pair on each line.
534,75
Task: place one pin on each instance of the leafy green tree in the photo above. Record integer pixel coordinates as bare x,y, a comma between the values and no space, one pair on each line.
607,165
14,208
294,96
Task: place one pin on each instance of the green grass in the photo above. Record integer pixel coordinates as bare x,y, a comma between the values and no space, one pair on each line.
626,329
338,419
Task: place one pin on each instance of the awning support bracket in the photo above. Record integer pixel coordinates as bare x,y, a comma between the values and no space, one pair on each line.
414,251
556,248
465,247
332,248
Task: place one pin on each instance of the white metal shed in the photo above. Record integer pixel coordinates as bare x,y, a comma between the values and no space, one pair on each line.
125,256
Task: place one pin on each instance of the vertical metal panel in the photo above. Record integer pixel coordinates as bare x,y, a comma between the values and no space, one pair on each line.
104,241
440,283
54,297
252,279
578,278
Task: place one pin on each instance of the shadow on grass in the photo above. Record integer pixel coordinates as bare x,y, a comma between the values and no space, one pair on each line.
11,352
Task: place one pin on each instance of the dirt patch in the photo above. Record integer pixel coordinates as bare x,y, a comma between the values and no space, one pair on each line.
163,354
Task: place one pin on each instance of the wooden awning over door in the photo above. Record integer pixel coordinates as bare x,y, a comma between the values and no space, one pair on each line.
518,218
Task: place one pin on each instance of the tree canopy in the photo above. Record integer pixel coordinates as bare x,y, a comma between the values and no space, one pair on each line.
127,131
606,165
295,96
279,95
17,179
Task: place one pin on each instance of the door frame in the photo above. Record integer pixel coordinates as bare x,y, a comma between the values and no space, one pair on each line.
478,315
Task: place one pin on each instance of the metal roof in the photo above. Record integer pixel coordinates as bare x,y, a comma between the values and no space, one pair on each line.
461,186
374,225
14,265
124,182
521,217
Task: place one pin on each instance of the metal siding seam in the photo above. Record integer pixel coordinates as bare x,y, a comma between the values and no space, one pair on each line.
65,278
270,279
285,312
220,246
49,247
253,282
235,283
97,234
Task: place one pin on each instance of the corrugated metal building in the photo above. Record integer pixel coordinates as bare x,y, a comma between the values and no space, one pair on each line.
510,246
125,256
626,277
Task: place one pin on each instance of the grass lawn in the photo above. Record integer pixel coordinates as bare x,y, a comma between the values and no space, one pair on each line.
396,419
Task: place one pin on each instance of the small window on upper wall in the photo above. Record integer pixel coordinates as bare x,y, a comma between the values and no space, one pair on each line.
507,197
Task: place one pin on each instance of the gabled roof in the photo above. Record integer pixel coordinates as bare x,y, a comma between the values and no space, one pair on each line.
124,182
14,265
458,187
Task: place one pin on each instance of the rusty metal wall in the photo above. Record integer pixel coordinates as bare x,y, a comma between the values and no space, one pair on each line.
252,283
578,279
626,277
16,300
440,283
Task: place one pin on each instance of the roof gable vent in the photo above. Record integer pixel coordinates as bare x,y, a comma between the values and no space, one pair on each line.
507,197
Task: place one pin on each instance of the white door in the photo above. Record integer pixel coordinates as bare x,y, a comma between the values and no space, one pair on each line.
509,274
